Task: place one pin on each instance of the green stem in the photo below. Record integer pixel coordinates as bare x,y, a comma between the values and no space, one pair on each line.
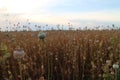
115,74
48,60
48,69
83,70
20,67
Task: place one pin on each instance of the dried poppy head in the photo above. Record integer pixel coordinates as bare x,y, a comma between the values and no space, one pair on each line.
42,35
18,53
115,66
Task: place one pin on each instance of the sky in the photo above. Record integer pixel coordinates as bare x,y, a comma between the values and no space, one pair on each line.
76,12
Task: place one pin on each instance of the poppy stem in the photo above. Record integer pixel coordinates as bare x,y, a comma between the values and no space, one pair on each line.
20,67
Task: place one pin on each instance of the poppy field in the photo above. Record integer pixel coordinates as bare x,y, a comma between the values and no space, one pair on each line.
60,55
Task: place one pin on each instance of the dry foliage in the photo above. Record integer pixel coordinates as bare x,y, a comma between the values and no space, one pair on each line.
64,55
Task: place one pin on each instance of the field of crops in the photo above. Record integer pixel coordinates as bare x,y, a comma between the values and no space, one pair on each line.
61,55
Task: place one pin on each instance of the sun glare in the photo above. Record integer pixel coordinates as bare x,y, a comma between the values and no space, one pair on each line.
18,6
26,6
21,6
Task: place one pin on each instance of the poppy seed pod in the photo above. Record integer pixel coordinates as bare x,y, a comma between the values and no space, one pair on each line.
115,66
18,53
42,35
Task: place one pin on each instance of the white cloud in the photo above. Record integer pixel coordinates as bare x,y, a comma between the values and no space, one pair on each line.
3,10
66,17
27,6
38,11
15,10
89,18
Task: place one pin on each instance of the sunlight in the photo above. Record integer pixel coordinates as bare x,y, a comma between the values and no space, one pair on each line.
20,6
26,6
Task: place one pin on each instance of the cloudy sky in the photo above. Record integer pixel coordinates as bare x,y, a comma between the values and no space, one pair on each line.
76,12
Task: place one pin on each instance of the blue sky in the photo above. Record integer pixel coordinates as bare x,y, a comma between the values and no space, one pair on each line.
86,5
77,12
